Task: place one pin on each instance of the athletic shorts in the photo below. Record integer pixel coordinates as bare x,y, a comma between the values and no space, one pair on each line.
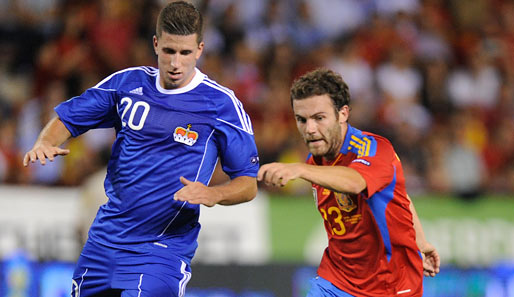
321,287
146,270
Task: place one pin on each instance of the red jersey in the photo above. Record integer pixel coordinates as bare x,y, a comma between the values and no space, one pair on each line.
372,247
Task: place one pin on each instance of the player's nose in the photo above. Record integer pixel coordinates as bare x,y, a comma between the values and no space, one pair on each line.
310,127
175,61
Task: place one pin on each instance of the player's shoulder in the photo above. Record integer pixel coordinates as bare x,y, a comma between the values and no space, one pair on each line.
127,75
217,92
223,98
366,144
229,108
378,138
382,146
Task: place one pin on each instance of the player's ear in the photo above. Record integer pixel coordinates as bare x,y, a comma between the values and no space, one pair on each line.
200,50
344,113
155,44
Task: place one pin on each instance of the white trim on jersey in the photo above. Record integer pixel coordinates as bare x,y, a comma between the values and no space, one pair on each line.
213,169
107,90
150,70
246,118
228,123
183,282
147,70
169,224
82,280
243,117
203,157
403,292
139,286
197,79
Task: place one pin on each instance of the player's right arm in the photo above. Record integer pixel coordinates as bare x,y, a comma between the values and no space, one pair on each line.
47,145
337,178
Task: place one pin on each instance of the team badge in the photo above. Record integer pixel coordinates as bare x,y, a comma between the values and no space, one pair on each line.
345,202
185,135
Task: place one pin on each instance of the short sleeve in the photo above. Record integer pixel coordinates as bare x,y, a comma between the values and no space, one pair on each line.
377,170
237,148
95,108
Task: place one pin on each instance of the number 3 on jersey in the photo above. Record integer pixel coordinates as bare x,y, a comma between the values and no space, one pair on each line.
133,111
334,219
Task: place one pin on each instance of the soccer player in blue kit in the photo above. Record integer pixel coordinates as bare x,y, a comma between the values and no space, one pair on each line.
172,126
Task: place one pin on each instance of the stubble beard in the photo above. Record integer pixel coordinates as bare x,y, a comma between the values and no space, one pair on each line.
330,149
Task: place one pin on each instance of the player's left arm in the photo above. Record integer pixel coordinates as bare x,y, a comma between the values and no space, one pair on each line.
219,177
238,190
431,259
233,180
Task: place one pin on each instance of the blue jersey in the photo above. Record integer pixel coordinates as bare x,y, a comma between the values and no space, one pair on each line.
161,135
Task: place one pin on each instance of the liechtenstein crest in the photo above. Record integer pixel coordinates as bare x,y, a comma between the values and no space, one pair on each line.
185,135
345,202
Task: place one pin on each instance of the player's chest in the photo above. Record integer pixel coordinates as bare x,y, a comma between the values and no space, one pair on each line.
340,211
180,122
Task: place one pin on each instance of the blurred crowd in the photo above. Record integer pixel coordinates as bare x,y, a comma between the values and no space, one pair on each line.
436,77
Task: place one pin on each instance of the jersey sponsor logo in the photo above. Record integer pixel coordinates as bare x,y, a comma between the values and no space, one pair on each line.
138,91
185,135
361,161
254,159
345,202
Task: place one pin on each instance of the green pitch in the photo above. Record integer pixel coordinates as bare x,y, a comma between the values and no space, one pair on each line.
294,218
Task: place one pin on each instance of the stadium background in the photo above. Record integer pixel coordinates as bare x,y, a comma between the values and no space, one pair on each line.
436,77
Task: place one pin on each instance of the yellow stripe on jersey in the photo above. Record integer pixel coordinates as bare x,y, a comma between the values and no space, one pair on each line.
368,145
362,145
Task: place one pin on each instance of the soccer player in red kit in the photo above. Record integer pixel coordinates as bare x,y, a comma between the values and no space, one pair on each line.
376,245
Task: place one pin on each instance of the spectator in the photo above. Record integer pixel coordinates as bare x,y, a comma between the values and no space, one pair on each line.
409,63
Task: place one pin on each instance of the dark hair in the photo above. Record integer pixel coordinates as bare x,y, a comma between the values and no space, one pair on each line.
320,82
180,18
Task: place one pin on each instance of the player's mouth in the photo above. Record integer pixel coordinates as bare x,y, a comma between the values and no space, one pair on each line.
174,75
314,142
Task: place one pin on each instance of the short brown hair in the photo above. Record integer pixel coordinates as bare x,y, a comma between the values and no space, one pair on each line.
320,82
180,18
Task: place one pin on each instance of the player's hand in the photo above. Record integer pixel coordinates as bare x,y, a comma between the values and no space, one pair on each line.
431,260
278,174
197,193
41,151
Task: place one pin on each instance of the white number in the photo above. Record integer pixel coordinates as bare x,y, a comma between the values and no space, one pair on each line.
146,109
129,103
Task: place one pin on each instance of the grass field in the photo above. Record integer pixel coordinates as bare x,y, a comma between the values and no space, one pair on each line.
294,218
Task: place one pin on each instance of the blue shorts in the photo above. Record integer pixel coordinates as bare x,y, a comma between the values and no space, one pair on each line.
146,270
320,287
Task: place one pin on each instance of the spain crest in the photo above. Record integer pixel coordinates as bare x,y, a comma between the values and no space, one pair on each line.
345,202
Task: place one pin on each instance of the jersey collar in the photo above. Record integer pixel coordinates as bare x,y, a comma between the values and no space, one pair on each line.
197,79
347,145
357,142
